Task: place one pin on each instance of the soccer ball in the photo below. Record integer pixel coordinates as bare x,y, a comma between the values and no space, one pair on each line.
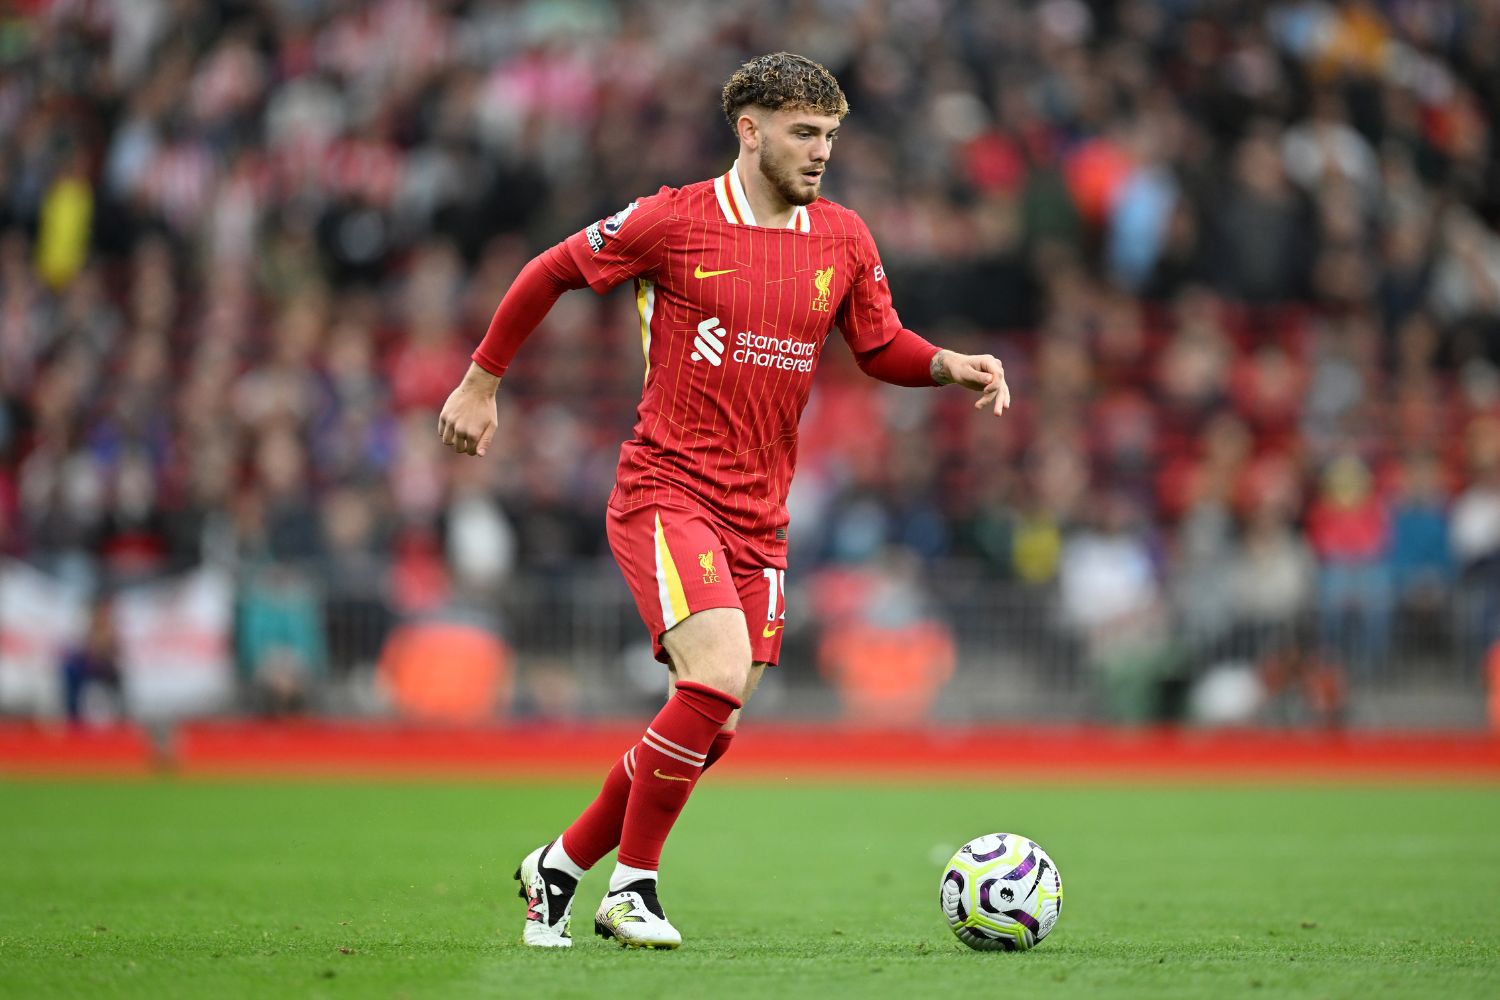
1001,892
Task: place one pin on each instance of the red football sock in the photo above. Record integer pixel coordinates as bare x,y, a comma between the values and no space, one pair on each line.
668,761
597,831
719,749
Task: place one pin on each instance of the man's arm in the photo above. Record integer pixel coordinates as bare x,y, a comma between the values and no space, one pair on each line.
468,419
628,244
888,351
907,359
530,297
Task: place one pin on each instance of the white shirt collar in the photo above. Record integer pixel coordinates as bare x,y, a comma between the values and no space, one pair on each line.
735,204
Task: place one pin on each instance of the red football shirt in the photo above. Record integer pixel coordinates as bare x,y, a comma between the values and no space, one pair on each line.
733,317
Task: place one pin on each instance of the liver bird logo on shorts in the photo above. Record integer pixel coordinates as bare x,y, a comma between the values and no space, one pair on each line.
706,560
823,282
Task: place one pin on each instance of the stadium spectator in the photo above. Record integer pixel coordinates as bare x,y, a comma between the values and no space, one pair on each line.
1349,528
93,690
1475,533
1111,593
1273,581
884,652
452,672
282,647
1421,555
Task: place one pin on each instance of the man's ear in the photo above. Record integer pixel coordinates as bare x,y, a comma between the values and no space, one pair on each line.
748,129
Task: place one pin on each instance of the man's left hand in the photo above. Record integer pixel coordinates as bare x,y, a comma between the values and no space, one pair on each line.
981,372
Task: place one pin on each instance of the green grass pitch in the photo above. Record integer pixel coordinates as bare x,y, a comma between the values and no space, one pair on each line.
392,889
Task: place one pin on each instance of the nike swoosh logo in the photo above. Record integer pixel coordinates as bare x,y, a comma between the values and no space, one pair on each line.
670,777
770,631
698,272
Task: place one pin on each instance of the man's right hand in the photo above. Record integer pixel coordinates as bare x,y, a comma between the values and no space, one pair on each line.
468,419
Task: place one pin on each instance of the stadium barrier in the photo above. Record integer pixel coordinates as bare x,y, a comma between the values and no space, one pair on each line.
948,644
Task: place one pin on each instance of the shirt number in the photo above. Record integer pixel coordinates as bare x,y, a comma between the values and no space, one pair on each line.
776,593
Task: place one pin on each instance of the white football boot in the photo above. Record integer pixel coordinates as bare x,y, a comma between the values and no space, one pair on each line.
549,902
633,917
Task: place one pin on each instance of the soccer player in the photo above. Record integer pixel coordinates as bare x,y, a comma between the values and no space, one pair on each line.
738,281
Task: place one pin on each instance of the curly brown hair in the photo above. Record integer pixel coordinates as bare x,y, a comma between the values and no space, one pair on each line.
783,80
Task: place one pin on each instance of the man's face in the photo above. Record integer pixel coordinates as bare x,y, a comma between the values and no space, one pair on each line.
794,149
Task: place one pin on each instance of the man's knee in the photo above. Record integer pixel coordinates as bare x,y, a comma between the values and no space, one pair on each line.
728,677
711,648
752,681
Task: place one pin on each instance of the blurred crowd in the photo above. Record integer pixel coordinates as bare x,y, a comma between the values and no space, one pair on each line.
1240,259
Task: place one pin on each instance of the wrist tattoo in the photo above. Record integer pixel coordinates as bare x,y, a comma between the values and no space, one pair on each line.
939,368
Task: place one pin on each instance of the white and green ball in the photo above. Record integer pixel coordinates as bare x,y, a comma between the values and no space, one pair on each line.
1001,892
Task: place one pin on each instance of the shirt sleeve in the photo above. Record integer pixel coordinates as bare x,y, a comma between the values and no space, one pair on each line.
531,296
629,244
905,359
866,317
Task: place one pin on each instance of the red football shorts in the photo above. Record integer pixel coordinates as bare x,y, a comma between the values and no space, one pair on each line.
677,562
